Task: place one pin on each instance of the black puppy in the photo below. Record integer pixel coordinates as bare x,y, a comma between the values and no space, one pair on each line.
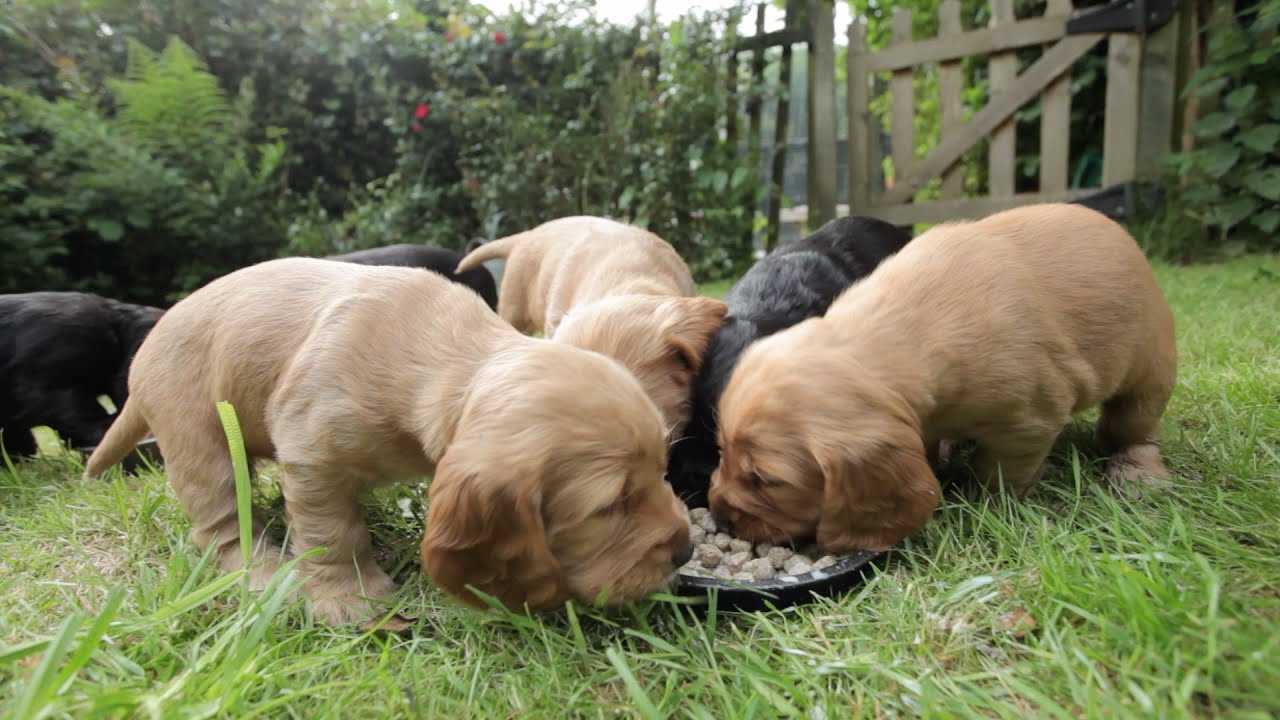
437,259
59,351
796,281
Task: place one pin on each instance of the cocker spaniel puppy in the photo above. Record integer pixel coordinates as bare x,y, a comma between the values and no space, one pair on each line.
612,288
998,331
545,488
60,351
436,259
796,281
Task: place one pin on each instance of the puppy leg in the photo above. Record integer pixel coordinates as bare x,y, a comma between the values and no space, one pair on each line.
324,513
1013,461
202,476
1129,431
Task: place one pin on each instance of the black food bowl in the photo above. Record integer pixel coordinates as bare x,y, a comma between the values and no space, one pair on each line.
848,572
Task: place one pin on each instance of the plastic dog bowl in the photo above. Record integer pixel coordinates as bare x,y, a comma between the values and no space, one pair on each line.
848,572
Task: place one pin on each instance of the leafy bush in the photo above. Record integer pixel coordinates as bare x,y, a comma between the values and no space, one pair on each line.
1229,186
145,204
560,114
398,122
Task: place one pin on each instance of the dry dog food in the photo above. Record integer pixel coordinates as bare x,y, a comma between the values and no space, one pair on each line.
716,554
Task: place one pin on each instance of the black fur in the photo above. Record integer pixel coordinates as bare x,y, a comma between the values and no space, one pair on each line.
59,351
796,281
437,259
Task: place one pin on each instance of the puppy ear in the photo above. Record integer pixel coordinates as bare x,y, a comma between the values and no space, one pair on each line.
873,500
692,324
489,535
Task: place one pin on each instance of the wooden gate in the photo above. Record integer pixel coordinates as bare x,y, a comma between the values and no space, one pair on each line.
1065,38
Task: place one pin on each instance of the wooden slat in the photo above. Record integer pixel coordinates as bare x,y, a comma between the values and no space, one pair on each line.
731,92
936,211
1002,151
1034,31
1055,121
781,131
902,92
754,106
1055,61
1120,127
951,89
858,99
822,112
754,92
784,37
1158,99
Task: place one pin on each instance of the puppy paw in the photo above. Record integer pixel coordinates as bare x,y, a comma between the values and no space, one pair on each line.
354,600
1137,470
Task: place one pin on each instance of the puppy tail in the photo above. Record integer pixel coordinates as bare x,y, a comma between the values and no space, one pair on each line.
123,435
494,250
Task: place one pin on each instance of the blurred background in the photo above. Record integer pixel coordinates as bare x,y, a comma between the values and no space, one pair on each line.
147,146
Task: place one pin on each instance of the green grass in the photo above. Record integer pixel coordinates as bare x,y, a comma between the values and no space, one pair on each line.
1073,602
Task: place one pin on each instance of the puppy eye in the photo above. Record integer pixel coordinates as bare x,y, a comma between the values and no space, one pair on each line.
613,508
682,360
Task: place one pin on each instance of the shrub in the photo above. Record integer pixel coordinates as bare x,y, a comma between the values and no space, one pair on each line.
1228,188
144,205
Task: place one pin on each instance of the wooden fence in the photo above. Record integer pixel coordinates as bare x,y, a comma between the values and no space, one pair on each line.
1140,100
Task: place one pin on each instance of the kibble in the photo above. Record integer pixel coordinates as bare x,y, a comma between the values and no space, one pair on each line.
719,555
708,556
733,563
797,565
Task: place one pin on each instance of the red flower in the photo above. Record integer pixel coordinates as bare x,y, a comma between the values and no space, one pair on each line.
416,127
499,38
473,184
421,111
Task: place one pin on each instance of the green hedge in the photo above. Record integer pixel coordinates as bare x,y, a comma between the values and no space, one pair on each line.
276,127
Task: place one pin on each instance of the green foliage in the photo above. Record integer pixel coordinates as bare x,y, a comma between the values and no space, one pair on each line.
143,204
285,127
1229,186
561,114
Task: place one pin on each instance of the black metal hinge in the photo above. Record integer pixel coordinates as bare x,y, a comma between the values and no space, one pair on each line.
1126,16
1125,201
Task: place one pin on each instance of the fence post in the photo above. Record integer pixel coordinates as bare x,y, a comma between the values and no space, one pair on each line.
1002,152
903,94
858,99
1120,125
951,89
1055,121
781,136
731,82
753,109
1158,96
822,112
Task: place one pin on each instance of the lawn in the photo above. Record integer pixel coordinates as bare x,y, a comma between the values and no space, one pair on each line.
1074,602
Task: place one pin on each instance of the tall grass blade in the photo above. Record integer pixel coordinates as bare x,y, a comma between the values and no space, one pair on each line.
240,462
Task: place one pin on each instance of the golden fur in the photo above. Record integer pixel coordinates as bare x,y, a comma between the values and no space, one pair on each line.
544,488
614,289
997,331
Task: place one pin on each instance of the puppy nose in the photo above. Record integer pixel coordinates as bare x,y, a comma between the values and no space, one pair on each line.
722,521
684,555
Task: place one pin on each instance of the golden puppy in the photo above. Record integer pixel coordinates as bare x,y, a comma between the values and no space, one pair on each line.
610,288
997,331
548,460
